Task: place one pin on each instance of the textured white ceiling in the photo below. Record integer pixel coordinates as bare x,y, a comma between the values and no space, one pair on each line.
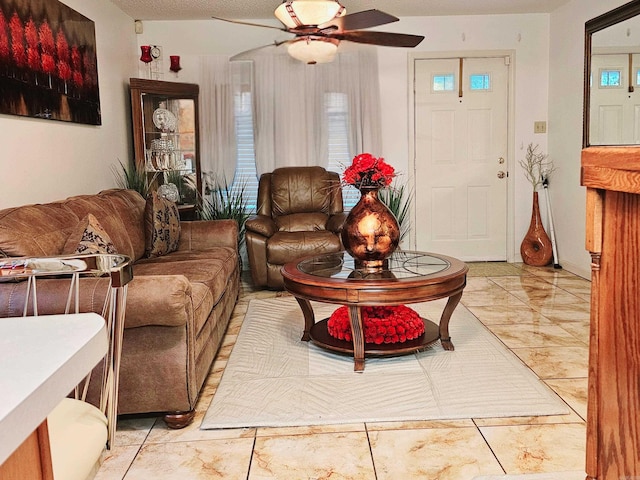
256,9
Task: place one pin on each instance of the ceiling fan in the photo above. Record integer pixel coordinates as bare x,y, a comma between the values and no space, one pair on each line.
320,25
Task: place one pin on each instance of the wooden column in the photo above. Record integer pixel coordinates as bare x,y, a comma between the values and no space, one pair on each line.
612,178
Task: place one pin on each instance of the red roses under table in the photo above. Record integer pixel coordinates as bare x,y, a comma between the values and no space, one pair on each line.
374,319
380,324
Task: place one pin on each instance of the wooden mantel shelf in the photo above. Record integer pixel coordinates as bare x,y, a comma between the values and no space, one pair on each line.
611,168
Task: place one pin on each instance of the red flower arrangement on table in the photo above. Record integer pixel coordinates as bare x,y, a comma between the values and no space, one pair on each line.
380,324
368,171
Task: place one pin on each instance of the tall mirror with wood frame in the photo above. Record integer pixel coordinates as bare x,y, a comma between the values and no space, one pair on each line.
612,78
611,174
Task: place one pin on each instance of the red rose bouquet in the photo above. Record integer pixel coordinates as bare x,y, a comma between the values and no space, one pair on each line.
380,324
368,171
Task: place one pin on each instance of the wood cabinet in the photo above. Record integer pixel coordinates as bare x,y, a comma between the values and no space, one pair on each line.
612,178
166,137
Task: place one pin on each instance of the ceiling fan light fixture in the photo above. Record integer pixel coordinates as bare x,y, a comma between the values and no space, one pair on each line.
296,13
314,50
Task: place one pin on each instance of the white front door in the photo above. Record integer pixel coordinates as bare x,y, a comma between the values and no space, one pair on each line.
460,147
615,100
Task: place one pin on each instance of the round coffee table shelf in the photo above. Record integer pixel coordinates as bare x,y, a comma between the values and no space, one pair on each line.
406,277
320,336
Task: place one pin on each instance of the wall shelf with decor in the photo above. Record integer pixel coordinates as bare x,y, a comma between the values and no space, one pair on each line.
166,137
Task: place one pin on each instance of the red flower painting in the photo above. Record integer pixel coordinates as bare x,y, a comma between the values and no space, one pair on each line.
48,66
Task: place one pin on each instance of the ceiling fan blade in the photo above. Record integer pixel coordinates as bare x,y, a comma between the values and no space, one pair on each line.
238,22
249,54
358,20
384,39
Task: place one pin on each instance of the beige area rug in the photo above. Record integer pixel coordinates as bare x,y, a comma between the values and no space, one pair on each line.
272,378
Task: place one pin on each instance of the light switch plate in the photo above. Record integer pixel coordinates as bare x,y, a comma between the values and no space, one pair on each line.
539,127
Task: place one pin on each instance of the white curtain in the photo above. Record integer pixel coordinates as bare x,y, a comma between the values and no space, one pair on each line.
289,99
217,126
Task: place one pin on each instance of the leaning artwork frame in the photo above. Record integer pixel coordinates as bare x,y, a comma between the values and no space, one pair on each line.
48,62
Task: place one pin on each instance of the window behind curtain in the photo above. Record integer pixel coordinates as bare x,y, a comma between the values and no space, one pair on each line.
336,109
336,106
340,107
246,167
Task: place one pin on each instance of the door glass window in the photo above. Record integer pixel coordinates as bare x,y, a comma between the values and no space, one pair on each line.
443,82
610,78
480,81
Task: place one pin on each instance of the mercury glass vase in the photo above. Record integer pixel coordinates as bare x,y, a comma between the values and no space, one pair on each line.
371,232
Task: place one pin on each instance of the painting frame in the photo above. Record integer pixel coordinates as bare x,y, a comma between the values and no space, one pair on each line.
48,62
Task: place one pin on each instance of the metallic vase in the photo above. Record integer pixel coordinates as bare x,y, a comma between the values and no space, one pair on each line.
371,232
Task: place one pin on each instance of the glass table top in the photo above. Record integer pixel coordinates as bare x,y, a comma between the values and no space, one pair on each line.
402,264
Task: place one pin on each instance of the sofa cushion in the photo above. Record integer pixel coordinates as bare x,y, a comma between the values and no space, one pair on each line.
89,237
162,226
211,267
35,230
158,300
129,205
208,276
101,208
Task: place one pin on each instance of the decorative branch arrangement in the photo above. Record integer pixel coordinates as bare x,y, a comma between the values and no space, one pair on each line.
537,167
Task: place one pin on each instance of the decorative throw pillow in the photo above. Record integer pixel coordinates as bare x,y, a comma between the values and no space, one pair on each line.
89,237
161,226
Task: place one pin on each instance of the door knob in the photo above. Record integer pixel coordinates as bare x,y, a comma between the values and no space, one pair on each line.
501,174
501,160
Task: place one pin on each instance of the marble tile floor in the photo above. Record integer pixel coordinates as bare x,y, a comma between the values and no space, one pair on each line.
541,314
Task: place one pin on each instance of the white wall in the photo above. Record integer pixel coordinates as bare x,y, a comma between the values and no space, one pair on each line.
44,160
565,127
527,36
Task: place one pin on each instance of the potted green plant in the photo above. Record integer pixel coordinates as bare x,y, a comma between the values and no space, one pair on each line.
398,199
133,177
227,202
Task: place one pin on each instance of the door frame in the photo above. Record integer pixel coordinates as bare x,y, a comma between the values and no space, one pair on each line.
511,54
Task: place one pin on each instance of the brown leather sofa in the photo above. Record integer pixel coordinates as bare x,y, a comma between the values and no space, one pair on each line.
178,304
300,213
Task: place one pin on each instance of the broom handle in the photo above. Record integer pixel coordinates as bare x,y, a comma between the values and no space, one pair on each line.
545,184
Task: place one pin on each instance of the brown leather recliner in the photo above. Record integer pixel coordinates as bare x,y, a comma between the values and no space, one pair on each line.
299,213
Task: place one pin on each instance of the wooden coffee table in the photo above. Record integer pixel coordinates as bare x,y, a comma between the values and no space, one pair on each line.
407,277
